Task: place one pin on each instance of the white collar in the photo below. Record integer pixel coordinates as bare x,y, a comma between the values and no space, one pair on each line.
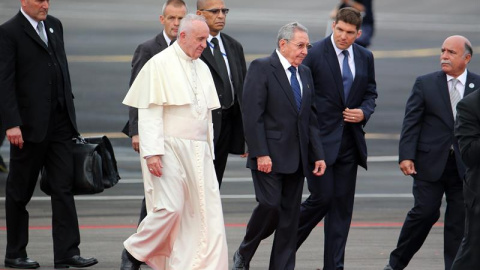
167,39
339,51
462,78
283,60
210,37
33,22
180,53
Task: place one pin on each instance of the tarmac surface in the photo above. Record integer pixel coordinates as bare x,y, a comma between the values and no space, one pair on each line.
100,38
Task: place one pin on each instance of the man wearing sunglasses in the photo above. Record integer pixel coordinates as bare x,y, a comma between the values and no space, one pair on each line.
226,61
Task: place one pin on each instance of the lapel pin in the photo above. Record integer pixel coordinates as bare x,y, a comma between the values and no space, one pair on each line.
471,85
51,30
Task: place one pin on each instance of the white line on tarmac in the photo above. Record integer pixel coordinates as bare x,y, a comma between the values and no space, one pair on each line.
225,196
130,158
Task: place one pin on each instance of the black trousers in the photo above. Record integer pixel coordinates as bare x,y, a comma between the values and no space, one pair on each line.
332,197
222,144
425,213
55,153
468,253
279,197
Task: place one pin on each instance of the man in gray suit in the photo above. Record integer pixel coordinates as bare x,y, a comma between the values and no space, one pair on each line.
173,12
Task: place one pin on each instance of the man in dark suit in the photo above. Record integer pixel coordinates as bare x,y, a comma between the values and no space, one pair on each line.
284,144
429,152
228,77
345,93
38,114
173,12
467,131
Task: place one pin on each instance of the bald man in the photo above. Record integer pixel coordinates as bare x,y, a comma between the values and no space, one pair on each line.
430,154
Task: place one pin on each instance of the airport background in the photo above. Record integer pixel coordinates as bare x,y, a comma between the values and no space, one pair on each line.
101,36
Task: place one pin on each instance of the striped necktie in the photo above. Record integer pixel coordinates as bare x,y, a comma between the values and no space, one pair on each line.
41,33
454,96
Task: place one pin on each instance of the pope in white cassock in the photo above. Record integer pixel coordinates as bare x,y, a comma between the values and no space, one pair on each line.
175,94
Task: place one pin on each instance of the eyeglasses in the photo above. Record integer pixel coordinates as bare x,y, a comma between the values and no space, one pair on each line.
301,46
216,11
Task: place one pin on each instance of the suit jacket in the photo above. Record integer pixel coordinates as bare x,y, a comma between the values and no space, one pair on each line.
273,125
329,96
28,76
238,70
428,127
467,131
142,54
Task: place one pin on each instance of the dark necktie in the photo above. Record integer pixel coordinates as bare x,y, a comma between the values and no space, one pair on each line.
171,42
347,75
227,97
295,86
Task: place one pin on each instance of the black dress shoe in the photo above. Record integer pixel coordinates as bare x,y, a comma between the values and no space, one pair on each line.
75,261
388,267
239,262
129,262
23,263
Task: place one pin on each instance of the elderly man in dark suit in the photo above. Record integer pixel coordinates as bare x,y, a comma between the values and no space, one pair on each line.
38,114
345,92
226,61
284,144
467,131
429,153
173,12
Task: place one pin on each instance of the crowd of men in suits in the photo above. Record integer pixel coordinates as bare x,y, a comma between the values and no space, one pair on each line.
301,113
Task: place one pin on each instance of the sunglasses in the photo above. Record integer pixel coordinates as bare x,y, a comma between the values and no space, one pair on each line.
216,11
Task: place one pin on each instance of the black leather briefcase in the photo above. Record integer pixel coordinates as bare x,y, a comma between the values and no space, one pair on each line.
95,166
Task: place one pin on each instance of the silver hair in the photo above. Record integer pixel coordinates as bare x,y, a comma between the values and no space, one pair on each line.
468,50
175,3
186,22
288,30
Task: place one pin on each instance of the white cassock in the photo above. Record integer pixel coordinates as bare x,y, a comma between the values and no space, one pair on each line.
184,227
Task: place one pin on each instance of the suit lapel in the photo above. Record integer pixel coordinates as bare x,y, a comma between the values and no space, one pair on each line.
442,86
282,79
231,58
359,67
332,61
470,85
208,56
160,39
52,41
305,86
28,28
